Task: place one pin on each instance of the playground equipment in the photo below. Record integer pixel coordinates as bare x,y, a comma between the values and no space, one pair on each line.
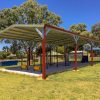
23,65
36,68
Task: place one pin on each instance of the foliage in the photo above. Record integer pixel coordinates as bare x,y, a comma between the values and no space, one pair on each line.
87,46
5,48
60,49
39,49
85,33
81,29
14,45
96,30
3,55
20,54
78,28
29,12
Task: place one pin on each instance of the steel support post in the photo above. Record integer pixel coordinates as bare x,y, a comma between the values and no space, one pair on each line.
50,56
57,55
91,55
75,58
65,54
44,55
29,56
76,38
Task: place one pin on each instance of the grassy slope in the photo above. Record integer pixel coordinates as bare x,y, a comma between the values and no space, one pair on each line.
82,85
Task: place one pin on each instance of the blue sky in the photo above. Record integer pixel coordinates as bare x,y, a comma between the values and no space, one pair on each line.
71,11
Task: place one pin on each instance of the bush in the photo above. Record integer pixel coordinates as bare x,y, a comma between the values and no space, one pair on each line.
19,54
3,55
85,33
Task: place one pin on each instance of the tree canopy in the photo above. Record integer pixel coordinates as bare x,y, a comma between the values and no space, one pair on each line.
78,28
82,30
30,12
96,30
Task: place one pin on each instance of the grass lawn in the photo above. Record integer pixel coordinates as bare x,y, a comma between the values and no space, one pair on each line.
82,85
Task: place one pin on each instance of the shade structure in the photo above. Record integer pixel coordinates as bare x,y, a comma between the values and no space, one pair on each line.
22,32
47,34
54,35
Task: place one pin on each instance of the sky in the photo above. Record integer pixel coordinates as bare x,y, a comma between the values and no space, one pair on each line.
71,11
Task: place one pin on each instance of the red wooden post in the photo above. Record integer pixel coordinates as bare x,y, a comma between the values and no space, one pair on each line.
57,55
27,60
75,58
65,55
91,55
50,56
34,59
29,56
44,55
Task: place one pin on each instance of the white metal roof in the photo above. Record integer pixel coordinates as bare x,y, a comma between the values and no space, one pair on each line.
55,35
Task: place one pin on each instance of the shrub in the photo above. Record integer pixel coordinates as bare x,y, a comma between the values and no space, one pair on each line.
19,54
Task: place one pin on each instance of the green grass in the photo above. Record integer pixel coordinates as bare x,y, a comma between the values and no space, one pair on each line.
82,85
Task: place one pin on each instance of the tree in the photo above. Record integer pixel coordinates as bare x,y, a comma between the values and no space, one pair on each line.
14,47
88,34
81,29
78,28
87,46
5,48
96,30
29,12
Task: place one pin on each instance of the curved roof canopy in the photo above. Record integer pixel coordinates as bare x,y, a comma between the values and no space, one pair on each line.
55,35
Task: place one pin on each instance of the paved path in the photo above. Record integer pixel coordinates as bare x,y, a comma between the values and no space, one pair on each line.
49,70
